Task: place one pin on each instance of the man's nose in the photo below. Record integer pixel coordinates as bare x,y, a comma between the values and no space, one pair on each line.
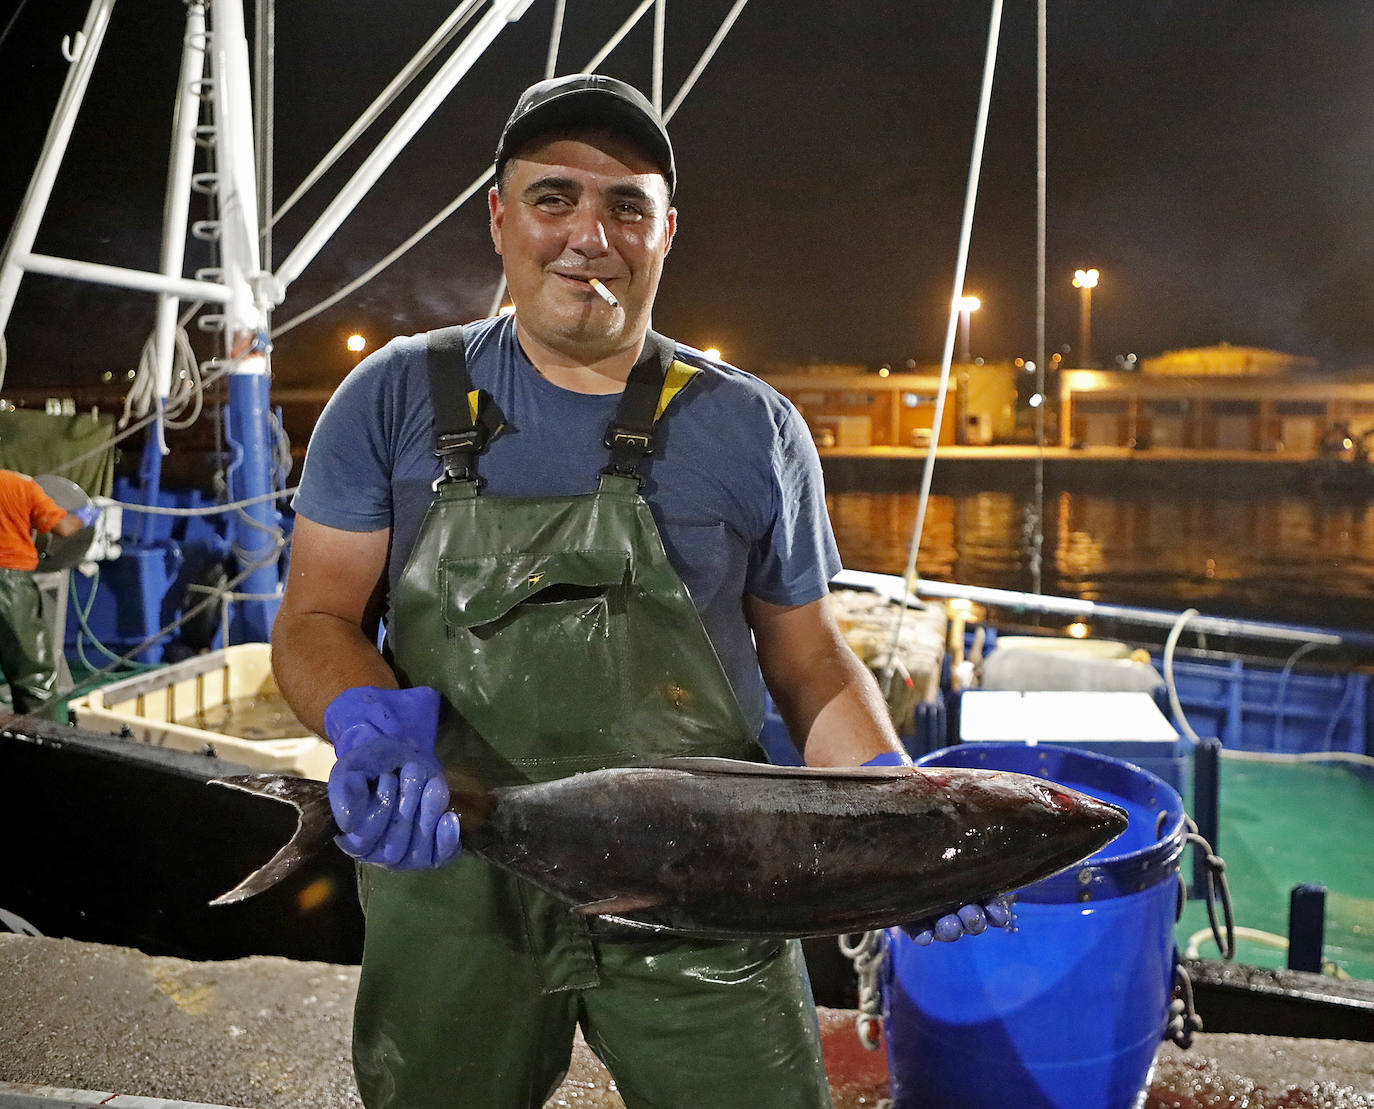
587,235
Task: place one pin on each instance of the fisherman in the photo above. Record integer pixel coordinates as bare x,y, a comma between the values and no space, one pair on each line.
28,656
585,541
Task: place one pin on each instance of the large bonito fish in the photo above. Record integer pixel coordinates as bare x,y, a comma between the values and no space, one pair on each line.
716,848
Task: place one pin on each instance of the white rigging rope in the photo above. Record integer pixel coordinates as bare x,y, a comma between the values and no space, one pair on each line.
960,268
427,53
185,391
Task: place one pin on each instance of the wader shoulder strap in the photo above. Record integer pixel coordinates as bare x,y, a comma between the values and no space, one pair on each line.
653,383
465,419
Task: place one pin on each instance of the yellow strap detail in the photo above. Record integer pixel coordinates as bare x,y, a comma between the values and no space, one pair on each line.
474,404
678,378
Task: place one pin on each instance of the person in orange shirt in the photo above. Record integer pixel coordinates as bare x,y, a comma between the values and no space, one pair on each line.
28,658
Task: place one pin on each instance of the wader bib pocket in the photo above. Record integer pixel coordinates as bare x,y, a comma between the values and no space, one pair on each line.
561,613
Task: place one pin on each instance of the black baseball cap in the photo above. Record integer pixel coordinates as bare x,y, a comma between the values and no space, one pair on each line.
587,100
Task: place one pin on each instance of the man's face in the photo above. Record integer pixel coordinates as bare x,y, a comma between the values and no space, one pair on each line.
574,208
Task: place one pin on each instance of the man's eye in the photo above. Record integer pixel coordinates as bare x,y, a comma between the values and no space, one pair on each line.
552,202
628,211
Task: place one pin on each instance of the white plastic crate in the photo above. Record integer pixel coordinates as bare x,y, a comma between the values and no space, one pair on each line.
150,704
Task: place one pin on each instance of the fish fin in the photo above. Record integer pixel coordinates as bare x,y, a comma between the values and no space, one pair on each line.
706,765
315,827
620,903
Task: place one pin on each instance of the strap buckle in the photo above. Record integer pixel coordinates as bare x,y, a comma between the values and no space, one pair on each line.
449,442
457,453
637,441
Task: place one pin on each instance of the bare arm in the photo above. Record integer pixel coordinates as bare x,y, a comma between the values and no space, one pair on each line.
68,525
826,695
324,640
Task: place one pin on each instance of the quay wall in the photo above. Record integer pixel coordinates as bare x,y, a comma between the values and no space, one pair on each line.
963,469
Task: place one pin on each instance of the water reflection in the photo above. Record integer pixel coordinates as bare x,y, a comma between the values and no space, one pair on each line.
1285,558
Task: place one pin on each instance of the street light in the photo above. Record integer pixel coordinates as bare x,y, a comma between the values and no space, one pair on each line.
1085,281
967,305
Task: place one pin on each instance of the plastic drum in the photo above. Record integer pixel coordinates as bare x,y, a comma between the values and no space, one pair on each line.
1067,1011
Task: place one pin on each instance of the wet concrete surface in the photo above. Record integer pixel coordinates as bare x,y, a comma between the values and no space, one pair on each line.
271,1033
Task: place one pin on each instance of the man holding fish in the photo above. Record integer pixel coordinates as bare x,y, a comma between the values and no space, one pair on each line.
590,546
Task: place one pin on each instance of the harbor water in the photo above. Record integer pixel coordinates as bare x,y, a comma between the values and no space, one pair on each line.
1278,556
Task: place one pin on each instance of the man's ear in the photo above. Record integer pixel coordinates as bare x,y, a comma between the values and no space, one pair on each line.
498,216
672,230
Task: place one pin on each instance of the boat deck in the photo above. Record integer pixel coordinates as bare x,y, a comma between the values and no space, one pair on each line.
1289,823
272,1033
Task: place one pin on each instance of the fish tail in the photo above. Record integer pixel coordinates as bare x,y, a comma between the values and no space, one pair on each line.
315,827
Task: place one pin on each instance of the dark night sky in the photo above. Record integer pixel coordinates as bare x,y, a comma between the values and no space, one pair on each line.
1211,158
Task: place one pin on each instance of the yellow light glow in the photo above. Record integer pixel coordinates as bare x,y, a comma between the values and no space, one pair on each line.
968,304
1085,279
1078,629
712,353
356,343
884,372
507,309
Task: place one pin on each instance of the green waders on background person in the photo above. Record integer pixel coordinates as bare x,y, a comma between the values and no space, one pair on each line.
26,651
561,640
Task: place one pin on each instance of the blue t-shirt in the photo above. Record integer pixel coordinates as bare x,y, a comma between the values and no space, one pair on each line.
734,485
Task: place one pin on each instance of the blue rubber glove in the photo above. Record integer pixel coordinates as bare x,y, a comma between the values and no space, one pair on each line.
387,789
969,920
87,514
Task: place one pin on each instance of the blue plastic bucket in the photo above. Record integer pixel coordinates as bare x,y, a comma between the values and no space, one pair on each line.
1067,1011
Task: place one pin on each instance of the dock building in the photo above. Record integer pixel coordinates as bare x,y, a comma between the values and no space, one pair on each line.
1212,399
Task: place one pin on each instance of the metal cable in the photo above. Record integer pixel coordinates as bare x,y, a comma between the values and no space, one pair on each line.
960,268
427,53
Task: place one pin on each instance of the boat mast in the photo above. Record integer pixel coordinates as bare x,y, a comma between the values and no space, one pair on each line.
1041,74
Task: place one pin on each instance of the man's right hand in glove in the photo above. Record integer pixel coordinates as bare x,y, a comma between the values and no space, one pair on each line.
387,789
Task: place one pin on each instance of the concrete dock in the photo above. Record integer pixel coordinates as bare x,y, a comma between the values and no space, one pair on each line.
270,1033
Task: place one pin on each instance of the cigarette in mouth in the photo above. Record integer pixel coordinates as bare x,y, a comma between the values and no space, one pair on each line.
603,292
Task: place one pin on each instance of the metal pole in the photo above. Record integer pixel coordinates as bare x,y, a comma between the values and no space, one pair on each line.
82,55
1085,326
1041,111
256,528
177,203
184,287
660,25
264,103
412,119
